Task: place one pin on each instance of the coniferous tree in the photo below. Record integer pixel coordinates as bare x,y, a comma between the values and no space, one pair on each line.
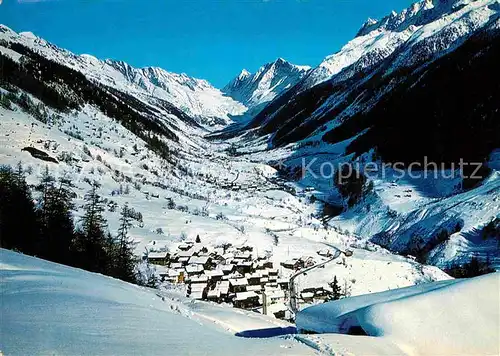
125,260
334,285
18,222
90,241
56,221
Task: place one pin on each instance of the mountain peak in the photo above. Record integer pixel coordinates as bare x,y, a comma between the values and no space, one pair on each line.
244,74
266,83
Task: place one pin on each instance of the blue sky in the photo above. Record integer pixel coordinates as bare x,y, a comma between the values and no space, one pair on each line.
209,39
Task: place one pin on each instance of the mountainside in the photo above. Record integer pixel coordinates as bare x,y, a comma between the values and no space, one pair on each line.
431,98
257,89
426,28
196,98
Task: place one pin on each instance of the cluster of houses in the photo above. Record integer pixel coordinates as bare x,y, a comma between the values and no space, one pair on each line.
229,274
225,274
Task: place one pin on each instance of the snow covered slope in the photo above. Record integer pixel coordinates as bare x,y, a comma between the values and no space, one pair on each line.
257,89
195,97
52,309
424,29
456,317
399,93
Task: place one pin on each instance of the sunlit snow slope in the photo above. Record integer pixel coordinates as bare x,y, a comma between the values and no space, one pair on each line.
456,317
49,309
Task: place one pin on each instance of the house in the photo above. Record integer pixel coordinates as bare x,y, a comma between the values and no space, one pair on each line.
176,265
273,272
223,288
275,296
238,285
291,264
271,285
268,264
161,271
184,256
185,246
219,293
213,295
194,270
158,257
322,294
227,269
200,260
264,280
254,288
228,257
307,296
278,310
284,283
215,275
197,291
243,267
245,300
253,279
324,253
243,256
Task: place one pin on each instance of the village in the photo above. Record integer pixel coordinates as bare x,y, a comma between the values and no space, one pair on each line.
237,276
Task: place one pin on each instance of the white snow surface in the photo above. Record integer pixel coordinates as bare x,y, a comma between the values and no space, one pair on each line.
456,317
52,309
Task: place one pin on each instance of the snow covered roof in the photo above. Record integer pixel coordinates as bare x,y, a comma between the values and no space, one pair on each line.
245,264
276,294
277,307
161,270
307,295
173,273
188,253
227,267
213,293
256,288
198,294
214,273
194,268
201,279
246,295
199,260
238,282
157,254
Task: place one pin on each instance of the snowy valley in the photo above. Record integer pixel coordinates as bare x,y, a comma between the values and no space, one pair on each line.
233,217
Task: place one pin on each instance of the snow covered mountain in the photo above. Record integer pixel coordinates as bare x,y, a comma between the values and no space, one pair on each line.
401,92
195,97
257,89
422,31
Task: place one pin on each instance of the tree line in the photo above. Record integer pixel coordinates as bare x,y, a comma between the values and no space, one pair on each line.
44,227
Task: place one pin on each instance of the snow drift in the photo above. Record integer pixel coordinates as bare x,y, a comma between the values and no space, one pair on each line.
454,317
